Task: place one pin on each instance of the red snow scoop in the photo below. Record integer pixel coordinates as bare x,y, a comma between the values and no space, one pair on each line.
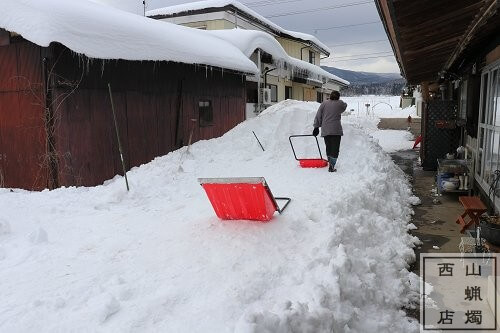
242,198
309,162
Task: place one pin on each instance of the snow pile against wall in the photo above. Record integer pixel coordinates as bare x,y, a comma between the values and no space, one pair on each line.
100,31
157,259
250,40
199,5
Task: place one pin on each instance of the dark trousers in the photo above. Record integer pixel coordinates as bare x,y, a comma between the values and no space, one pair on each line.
332,143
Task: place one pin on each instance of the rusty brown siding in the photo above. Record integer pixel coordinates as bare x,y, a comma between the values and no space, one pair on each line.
154,101
148,96
23,158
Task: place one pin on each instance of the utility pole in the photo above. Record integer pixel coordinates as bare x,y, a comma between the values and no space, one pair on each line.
144,7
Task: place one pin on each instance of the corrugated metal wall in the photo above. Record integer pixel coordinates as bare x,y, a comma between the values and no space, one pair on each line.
148,98
23,162
154,101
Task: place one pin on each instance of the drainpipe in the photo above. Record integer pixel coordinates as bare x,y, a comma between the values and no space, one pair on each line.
265,75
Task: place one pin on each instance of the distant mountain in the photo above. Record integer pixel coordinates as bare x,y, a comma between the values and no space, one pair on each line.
363,77
365,83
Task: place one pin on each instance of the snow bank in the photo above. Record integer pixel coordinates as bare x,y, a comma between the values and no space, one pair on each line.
157,259
199,5
250,40
100,31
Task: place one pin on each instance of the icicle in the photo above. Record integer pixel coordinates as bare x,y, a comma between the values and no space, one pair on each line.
102,67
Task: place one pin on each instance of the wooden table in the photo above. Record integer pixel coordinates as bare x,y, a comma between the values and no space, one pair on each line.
474,208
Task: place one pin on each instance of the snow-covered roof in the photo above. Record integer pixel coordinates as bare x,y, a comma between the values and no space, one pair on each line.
102,32
250,40
186,8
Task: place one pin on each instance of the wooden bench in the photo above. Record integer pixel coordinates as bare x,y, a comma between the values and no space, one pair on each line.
474,208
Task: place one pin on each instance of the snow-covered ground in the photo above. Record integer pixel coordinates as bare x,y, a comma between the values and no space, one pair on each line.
157,259
393,140
380,106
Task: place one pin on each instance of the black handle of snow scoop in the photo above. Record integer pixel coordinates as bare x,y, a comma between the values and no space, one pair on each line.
280,210
302,135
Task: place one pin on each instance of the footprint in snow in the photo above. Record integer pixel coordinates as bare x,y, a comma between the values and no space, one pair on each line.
39,236
109,308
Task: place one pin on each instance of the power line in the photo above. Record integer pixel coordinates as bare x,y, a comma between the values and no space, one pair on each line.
365,42
363,54
312,10
345,26
391,55
268,3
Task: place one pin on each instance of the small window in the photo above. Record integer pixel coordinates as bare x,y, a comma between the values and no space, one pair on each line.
206,113
312,58
274,92
319,97
252,93
288,92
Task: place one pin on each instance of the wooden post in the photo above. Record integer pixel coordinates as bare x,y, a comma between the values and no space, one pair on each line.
425,91
118,136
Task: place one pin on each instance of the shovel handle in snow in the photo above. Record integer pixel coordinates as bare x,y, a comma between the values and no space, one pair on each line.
118,136
193,122
191,134
303,135
260,144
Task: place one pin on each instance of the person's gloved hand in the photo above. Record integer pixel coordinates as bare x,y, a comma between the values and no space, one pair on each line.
316,131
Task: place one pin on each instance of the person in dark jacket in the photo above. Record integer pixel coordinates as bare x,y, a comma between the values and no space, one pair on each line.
328,118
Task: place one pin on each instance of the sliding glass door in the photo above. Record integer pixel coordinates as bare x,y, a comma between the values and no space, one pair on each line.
488,157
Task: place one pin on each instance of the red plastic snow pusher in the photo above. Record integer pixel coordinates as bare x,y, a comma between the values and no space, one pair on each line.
239,198
309,162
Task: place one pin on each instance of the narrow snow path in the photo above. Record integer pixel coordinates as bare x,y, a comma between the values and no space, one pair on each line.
157,259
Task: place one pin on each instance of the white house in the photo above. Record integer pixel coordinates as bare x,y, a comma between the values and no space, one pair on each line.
288,60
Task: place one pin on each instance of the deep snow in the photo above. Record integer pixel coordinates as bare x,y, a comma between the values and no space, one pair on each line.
250,40
196,5
103,32
157,259
380,107
385,107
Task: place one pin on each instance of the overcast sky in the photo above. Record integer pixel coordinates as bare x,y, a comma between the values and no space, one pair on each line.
376,54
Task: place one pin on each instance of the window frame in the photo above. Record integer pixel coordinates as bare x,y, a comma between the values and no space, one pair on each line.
463,99
289,92
275,86
488,129
319,96
312,57
201,110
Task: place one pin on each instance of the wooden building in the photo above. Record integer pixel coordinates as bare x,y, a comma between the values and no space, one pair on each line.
451,50
56,120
